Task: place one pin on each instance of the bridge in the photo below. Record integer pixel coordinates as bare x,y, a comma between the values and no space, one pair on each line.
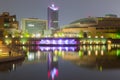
73,41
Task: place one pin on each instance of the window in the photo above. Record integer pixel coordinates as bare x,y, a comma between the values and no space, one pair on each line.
6,20
6,25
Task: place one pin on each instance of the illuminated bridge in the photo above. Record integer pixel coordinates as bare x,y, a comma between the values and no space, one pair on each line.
56,41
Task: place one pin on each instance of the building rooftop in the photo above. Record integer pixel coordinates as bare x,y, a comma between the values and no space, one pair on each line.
85,20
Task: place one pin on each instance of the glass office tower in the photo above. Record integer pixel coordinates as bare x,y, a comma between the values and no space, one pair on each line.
53,17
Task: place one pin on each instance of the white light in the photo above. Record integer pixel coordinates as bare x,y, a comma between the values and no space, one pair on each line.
31,25
13,36
6,36
37,35
21,36
89,36
102,36
96,52
96,36
53,7
89,53
102,53
31,57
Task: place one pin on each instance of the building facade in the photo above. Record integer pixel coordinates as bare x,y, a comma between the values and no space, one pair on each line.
8,23
108,27
34,25
53,17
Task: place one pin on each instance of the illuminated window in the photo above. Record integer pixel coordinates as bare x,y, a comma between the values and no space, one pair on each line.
6,24
13,19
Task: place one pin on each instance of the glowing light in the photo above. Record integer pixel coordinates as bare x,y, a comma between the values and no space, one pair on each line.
6,36
59,53
66,48
60,48
55,59
33,35
89,36
13,36
21,36
31,56
102,53
66,41
80,53
96,52
102,36
55,51
109,42
53,7
55,35
96,36
118,52
38,54
89,53
63,53
31,25
54,42
47,48
54,73
13,66
109,47
38,35
60,41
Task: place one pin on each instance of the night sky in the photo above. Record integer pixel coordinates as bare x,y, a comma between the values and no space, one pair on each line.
69,10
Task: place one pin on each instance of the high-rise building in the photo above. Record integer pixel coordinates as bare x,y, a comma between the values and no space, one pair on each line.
34,25
53,17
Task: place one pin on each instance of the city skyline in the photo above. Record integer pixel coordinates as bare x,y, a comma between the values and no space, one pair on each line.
70,10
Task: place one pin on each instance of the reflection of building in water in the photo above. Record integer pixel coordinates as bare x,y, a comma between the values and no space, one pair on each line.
99,57
10,66
36,57
93,50
52,66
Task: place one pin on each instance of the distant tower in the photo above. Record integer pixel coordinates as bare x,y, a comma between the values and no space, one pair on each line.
53,16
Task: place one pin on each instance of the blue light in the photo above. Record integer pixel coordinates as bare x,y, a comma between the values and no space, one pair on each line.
66,41
60,41
48,48
54,42
66,48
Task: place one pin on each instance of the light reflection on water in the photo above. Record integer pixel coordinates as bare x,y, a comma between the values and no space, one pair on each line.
86,57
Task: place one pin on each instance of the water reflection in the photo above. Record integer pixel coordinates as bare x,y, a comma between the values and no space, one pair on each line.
100,57
10,66
36,56
52,66
91,56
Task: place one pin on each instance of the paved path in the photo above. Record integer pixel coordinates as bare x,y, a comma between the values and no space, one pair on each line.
5,56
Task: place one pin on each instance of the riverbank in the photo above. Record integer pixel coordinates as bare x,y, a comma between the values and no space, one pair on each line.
6,56
11,58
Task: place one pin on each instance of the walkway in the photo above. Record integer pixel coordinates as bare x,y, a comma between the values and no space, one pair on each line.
5,56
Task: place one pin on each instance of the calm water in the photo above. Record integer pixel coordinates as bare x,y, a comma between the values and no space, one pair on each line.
65,63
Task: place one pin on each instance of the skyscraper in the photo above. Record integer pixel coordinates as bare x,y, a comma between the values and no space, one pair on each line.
53,17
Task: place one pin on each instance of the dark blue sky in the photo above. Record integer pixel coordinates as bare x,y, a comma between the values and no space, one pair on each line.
70,10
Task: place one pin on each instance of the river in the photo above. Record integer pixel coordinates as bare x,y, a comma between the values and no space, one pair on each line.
86,62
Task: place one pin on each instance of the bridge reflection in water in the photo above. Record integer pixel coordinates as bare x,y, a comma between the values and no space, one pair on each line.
92,56
97,57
